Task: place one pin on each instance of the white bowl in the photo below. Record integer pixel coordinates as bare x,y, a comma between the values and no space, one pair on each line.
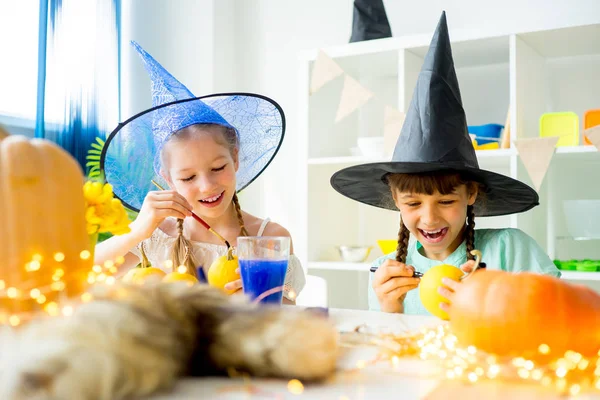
371,146
583,218
354,253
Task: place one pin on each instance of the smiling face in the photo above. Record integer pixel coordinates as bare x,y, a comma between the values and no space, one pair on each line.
200,163
434,210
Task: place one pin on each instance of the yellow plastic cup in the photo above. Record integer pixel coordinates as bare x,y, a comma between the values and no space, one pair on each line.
388,246
565,125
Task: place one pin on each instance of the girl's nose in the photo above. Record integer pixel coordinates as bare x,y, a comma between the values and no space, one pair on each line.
429,215
206,183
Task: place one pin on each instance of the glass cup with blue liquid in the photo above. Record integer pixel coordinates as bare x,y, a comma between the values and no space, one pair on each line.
263,264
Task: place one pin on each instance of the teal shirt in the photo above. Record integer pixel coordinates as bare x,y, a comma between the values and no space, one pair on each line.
509,250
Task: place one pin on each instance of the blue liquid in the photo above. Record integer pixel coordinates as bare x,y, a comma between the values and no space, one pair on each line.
258,276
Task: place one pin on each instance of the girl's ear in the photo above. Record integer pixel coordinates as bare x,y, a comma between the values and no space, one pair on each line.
167,178
473,192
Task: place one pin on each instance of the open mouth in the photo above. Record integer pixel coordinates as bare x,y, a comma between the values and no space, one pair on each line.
212,201
434,236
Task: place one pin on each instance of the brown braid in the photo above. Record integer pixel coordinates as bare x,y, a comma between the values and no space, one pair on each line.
181,253
470,232
403,237
238,212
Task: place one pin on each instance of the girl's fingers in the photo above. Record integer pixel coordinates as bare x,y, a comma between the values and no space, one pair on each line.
445,307
169,195
468,266
172,205
401,291
399,282
447,293
391,269
168,212
451,283
235,285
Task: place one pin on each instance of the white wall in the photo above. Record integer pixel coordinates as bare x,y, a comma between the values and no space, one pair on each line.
178,34
408,18
251,45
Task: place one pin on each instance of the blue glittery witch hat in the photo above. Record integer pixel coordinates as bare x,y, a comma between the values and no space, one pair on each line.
130,158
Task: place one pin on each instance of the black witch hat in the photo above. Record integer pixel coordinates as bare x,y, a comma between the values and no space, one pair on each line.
369,21
434,137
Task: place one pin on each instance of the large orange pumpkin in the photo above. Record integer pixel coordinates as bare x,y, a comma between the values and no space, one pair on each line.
513,314
43,229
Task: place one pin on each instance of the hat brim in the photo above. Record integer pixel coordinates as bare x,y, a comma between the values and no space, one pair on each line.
366,183
128,156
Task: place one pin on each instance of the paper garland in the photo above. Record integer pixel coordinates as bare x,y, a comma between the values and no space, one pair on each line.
535,153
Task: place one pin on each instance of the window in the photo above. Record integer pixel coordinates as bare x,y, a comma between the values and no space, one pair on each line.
19,58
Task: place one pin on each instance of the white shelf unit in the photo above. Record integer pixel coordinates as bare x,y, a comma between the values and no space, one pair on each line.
363,267
529,72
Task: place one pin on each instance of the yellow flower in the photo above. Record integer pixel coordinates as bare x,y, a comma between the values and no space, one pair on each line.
91,191
104,213
97,193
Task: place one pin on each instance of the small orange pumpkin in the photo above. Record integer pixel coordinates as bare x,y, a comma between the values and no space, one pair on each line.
513,314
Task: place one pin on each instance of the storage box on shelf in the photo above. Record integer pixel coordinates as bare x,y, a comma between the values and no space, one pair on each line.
528,74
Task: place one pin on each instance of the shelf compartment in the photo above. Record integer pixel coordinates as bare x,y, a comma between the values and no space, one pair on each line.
580,276
338,266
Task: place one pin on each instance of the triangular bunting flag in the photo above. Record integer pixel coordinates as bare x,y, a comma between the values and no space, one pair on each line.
593,134
393,120
536,154
354,95
324,70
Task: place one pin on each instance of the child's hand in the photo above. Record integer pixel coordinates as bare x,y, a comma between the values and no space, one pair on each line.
157,206
391,282
452,285
468,266
234,285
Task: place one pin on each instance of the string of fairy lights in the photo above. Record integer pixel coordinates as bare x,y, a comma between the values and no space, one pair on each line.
98,274
568,373
62,306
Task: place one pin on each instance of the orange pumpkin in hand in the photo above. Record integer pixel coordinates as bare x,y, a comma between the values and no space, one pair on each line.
513,314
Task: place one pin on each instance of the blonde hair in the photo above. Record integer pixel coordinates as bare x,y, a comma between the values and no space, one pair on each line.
444,182
181,253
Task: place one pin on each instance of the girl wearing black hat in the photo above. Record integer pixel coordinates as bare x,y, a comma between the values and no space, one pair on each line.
434,180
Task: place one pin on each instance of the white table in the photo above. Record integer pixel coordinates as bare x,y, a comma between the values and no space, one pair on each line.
411,379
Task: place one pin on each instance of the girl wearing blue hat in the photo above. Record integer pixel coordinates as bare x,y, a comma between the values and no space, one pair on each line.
205,149
434,180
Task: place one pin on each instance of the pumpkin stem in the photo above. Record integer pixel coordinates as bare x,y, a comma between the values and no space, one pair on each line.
230,253
477,255
145,262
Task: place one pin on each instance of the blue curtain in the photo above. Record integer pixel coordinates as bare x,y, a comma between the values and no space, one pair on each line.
78,73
